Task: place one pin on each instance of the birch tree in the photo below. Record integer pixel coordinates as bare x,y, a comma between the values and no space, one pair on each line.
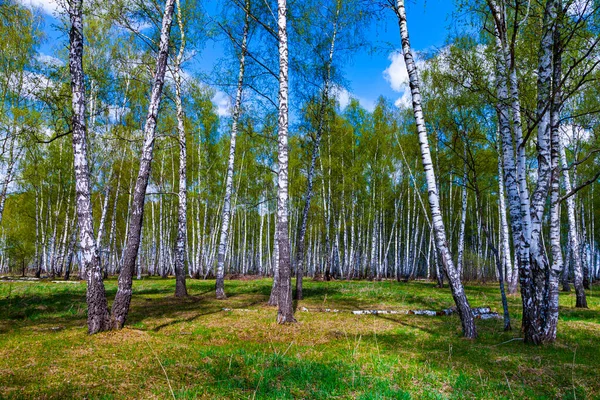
573,234
181,243
285,312
98,317
120,306
226,214
301,237
458,293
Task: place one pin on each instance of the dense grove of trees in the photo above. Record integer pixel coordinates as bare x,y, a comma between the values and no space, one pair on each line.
115,160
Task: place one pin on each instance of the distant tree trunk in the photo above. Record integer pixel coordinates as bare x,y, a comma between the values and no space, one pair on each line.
574,242
226,216
98,317
285,313
70,254
511,273
301,238
458,293
8,175
497,258
181,243
463,221
274,297
123,298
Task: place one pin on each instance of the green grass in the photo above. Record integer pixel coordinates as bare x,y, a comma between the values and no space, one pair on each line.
210,353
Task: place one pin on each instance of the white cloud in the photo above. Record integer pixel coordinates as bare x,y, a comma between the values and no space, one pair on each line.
405,101
46,6
580,8
49,60
30,85
223,104
342,96
396,74
367,104
574,134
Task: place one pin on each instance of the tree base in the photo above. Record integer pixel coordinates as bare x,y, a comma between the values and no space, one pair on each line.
286,319
220,294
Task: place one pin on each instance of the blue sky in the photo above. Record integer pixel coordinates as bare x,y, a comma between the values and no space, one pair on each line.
368,75
427,23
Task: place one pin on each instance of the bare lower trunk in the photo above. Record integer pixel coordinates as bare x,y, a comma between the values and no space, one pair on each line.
98,317
123,298
462,304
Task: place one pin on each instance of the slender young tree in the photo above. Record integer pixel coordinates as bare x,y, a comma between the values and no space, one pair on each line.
285,312
181,242
98,317
574,241
458,293
463,219
301,238
123,298
226,215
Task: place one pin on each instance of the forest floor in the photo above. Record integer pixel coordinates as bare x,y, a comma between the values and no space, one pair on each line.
193,348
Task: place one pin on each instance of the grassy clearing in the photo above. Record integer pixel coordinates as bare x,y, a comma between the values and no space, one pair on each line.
210,353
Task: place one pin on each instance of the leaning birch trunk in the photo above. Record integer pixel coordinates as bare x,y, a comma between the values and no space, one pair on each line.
285,313
226,217
98,318
574,242
181,242
123,298
458,293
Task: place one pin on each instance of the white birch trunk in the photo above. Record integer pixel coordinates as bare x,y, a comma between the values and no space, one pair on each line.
458,293
285,313
574,242
98,317
181,242
226,216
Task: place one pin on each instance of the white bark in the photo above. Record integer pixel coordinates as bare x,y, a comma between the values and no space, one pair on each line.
463,219
181,242
285,313
574,241
98,318
458,293
226,216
